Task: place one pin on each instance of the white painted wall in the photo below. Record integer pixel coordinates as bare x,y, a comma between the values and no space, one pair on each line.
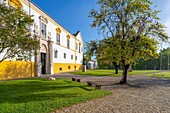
60,58
51,27
79,58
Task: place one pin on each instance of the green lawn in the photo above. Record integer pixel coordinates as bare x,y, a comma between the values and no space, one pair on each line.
159,75
42,96
102,72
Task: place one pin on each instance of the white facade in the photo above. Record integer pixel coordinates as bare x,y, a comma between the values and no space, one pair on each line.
91,64
48,43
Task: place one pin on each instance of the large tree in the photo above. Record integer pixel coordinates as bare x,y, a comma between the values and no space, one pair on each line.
15,36
134,26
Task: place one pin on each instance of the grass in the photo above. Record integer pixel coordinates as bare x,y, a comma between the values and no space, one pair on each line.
103,72
42,96
166,74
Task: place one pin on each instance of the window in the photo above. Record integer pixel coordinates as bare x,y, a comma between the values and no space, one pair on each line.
64,55
43,30
76,58
79,49
55,53
69,67
58,38
76,46
68,43
71,57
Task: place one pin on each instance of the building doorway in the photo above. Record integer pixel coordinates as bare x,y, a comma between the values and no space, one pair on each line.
43,61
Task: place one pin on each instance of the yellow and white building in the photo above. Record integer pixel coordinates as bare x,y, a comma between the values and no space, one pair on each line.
60,50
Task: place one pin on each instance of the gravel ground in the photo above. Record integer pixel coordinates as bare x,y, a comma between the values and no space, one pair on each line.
142,95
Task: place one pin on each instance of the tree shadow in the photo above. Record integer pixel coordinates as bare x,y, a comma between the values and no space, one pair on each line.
16,69
149,82
86,88
33,97
135,82
25,91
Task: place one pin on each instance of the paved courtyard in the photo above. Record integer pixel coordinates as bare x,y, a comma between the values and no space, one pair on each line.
142,95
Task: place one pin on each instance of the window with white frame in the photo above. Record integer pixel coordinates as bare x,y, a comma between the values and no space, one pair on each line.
58,38
43,29
55,53
79,48
71,57
68,43
65,55
76,46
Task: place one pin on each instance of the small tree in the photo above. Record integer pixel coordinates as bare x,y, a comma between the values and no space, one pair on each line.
134,26
107,52
15,35
103,52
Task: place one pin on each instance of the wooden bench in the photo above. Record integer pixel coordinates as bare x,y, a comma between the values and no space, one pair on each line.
97,86
89,83
76,79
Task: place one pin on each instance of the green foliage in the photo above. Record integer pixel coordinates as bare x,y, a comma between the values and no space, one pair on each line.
91,49
42,96
15,36
155,63
131,28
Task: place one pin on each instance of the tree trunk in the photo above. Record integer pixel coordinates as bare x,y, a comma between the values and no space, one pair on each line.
124,74
116,70
116,67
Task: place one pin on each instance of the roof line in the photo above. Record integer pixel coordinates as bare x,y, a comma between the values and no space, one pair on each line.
51,17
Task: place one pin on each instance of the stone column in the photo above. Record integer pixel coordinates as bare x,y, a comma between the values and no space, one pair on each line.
37,57
50,55
84,68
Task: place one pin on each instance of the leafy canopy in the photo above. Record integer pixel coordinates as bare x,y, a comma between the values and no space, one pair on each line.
131,29
15,36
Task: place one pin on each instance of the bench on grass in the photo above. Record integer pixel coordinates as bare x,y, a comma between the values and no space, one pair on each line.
76,79
97,86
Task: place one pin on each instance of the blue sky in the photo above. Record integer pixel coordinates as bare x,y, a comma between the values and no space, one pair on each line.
73,14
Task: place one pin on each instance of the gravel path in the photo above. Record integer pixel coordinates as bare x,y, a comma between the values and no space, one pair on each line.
142,95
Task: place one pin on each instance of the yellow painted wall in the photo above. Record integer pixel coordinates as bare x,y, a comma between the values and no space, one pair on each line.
64,67
16,69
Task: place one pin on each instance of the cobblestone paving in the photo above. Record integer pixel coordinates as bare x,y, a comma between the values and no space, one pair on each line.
142,95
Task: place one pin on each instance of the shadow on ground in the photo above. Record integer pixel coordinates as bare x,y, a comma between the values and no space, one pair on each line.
133,82
149,82
31,91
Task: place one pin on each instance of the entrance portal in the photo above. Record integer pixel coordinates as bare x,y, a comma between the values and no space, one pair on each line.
43,61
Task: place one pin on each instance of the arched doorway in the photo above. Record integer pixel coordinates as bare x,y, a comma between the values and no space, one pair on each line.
43,51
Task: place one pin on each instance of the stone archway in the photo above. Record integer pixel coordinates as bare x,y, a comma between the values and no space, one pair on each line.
43,48
44,60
